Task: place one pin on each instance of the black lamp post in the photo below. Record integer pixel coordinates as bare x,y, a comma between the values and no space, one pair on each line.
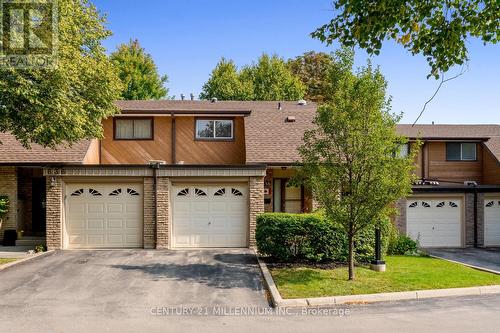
378,264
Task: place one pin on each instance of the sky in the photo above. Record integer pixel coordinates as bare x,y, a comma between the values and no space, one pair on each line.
187,38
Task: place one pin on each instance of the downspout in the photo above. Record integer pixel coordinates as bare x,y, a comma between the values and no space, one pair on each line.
172,115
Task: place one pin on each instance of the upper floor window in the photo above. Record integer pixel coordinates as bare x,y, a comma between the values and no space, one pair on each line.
460,151
214,129
404,150
133,129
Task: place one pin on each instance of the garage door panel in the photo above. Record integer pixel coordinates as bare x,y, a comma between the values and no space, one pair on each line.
492,221
215,217
104,215
434,222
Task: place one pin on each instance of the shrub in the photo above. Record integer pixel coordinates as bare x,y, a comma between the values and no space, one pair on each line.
40,248
4,205
402,244
311,237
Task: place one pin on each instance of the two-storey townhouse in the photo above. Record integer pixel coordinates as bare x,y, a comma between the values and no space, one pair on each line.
184,174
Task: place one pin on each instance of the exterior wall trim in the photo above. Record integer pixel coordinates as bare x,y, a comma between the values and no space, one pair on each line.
134,171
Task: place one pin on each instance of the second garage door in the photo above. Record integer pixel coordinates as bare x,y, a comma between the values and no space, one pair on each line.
104,216
435,222
210,216
492,222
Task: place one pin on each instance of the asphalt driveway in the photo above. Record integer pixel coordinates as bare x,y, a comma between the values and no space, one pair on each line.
129,282
487,258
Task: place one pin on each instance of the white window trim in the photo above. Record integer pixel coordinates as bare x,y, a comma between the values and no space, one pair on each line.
214,136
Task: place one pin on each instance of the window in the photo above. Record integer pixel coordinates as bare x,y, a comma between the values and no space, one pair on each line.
457,151
404,150
134,129
214,129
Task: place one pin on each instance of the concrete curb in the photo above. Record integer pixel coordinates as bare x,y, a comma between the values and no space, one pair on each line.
465,264
16,262
278,301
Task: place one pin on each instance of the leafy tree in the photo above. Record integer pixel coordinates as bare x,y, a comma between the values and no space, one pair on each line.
67,103
350,158
437,29
138,73
225,83
272,80
312,68
268,79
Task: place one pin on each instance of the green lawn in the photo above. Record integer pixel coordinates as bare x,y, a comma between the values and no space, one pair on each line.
403,274
6,260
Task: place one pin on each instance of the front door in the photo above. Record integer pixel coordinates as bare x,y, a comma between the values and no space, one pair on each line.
38,209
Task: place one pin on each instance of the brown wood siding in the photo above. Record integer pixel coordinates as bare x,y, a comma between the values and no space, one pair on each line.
92,155
193,151
491,168
418,160
459,171
137,151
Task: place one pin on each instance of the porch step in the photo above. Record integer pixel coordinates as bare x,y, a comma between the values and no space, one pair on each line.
30,241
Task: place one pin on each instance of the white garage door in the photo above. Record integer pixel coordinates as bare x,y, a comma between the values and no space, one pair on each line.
210,215
104,215
492,222
435,222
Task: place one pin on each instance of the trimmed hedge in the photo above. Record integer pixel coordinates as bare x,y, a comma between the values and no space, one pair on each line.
402,245
311,237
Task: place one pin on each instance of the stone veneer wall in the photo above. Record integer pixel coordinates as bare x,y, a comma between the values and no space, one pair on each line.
469,219
54,213
163,212
400,218
8,187
148,208
256,190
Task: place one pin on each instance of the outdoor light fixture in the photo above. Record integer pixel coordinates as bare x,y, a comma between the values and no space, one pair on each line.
52,181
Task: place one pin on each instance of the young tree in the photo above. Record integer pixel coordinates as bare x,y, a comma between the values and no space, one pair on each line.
350,160
49,106
312,68
437,29
225,83
268,79
138,73
272,80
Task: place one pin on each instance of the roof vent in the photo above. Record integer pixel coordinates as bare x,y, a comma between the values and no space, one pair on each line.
279,106
301,102
182,96
214,100
290,119
192,96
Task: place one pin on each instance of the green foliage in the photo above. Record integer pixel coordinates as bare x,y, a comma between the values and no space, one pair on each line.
350,160
40,248
437,29
313,68
311,237
402,245
4,205
266,80
66,103
138,73
225,83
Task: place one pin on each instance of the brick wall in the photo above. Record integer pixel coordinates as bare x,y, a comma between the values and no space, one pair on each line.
54,213
400,218
148,214
8,187
469,219
162,224
256,189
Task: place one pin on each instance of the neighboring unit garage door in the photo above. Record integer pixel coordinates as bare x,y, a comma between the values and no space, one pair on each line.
435,222
210,215
104,215
492,222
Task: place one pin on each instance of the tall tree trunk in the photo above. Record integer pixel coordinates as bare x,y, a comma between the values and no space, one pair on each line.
351,257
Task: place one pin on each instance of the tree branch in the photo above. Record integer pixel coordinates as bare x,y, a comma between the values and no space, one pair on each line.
443,81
